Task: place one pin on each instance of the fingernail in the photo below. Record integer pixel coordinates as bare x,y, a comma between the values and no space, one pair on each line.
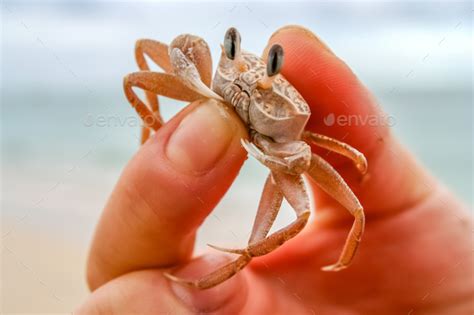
225,295
201,138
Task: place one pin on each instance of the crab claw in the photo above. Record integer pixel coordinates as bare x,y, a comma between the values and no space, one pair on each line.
186,70
228,250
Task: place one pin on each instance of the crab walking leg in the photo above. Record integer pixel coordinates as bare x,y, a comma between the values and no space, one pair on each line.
145,134
294,191
158,52
215,277
266,214
159,83
326,177
339,147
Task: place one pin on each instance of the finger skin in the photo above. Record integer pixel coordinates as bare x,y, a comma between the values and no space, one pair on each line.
140,292
330,87
419,259
152,215
148,292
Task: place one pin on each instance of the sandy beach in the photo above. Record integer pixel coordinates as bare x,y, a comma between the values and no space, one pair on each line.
41,273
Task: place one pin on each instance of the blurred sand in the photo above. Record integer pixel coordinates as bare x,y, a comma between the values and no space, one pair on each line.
41,273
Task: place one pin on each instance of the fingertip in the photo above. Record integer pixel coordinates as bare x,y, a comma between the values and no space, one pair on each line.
202,138
344,109
190,162
297,31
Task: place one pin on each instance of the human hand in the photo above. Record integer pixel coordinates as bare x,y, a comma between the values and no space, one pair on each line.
415,256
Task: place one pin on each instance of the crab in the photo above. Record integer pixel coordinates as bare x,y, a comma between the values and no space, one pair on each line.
275,115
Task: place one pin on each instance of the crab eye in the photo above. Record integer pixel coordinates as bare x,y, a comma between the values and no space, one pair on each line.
275,60
232,43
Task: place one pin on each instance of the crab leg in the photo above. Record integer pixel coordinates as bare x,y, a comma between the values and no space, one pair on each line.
215,277
267,211
294,191
145,134
332,183
339,147
158,52
159,83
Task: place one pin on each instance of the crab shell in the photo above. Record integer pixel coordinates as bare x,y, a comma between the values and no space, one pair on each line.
275,114
279,112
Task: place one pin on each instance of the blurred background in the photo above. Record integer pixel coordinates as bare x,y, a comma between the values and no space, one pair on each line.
67,130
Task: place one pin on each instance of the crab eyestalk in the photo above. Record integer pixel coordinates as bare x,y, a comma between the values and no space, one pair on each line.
274,64
232,50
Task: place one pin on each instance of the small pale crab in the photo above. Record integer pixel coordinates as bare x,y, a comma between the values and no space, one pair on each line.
275,115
